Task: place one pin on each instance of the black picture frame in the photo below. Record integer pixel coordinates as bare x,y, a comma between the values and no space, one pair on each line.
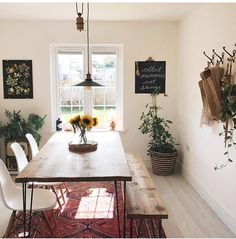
150,76
17,79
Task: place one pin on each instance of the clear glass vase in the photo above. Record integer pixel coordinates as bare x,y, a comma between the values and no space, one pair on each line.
83,138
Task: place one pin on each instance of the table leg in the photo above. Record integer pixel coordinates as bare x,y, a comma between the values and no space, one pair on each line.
117,206
24,207
31,204
124,209
131,228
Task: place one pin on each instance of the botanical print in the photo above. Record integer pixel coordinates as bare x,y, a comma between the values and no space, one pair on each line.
17,79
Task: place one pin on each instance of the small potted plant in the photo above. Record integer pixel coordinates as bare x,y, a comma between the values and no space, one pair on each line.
161,146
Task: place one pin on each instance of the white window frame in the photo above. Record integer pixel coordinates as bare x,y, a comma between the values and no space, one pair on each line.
94,48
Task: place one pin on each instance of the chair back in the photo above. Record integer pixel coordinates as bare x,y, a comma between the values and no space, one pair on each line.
8,190
33,144
20,156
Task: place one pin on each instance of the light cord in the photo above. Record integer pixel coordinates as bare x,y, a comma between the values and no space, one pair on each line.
88,35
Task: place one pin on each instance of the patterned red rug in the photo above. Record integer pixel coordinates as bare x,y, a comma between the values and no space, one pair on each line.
90,212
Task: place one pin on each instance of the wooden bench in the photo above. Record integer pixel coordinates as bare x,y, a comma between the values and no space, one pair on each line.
143,201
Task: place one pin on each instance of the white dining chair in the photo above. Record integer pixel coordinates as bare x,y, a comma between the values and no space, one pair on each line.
11,196
35,149
6,219
33,144
21,164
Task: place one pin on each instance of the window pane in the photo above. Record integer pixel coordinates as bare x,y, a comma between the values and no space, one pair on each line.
77,96
70,72
65,95
66,112
99,96
104,71
110,97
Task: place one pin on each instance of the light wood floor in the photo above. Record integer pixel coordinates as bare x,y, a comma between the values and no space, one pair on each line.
189,214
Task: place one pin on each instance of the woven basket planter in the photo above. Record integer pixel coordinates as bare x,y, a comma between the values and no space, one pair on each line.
163,163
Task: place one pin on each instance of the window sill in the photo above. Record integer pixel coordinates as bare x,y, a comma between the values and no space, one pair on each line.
109,130
100,130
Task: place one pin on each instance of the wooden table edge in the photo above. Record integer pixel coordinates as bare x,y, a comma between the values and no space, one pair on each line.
74,179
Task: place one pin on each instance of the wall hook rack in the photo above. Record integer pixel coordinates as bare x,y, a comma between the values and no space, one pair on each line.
220,57
231,56
211,59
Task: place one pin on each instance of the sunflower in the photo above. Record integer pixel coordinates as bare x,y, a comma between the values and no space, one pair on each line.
95,121
87,121
75,120
71,120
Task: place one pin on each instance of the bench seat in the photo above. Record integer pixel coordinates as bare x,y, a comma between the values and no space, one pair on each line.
143,200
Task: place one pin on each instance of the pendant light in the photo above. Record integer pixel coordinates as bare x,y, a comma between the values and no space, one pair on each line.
88,82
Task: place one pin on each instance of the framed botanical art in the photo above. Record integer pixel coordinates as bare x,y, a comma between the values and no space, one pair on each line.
17,79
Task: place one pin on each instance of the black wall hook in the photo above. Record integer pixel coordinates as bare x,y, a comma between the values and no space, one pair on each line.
231,56
220,57
211,59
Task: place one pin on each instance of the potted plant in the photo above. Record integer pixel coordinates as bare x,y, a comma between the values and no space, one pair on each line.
161,146
228,117
17,127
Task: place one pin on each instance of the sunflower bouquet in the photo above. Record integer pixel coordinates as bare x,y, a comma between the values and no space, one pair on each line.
83,123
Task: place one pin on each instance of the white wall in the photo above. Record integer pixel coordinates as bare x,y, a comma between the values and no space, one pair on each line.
31,39
212,26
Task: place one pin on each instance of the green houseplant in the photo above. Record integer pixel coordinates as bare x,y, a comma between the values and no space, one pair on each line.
161,146
17,127
228,117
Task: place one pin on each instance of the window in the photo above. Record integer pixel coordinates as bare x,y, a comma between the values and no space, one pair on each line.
69,68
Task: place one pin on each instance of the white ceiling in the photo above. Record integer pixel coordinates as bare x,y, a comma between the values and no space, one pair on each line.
98,11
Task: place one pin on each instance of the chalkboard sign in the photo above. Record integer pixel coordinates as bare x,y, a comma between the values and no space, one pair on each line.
150,76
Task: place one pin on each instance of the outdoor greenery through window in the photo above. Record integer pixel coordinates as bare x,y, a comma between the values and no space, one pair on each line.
102,102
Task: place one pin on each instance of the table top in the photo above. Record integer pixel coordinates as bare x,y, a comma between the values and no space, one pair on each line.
55,163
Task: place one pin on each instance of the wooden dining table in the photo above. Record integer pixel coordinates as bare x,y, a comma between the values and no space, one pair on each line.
56,163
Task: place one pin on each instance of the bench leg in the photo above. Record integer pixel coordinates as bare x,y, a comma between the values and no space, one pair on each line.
147,228
139,228
124,209
117,207
160,228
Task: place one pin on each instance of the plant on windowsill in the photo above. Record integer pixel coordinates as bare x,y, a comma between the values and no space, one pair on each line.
17,127
161,146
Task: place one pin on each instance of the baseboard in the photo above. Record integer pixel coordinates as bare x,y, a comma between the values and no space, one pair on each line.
148,163
228,220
